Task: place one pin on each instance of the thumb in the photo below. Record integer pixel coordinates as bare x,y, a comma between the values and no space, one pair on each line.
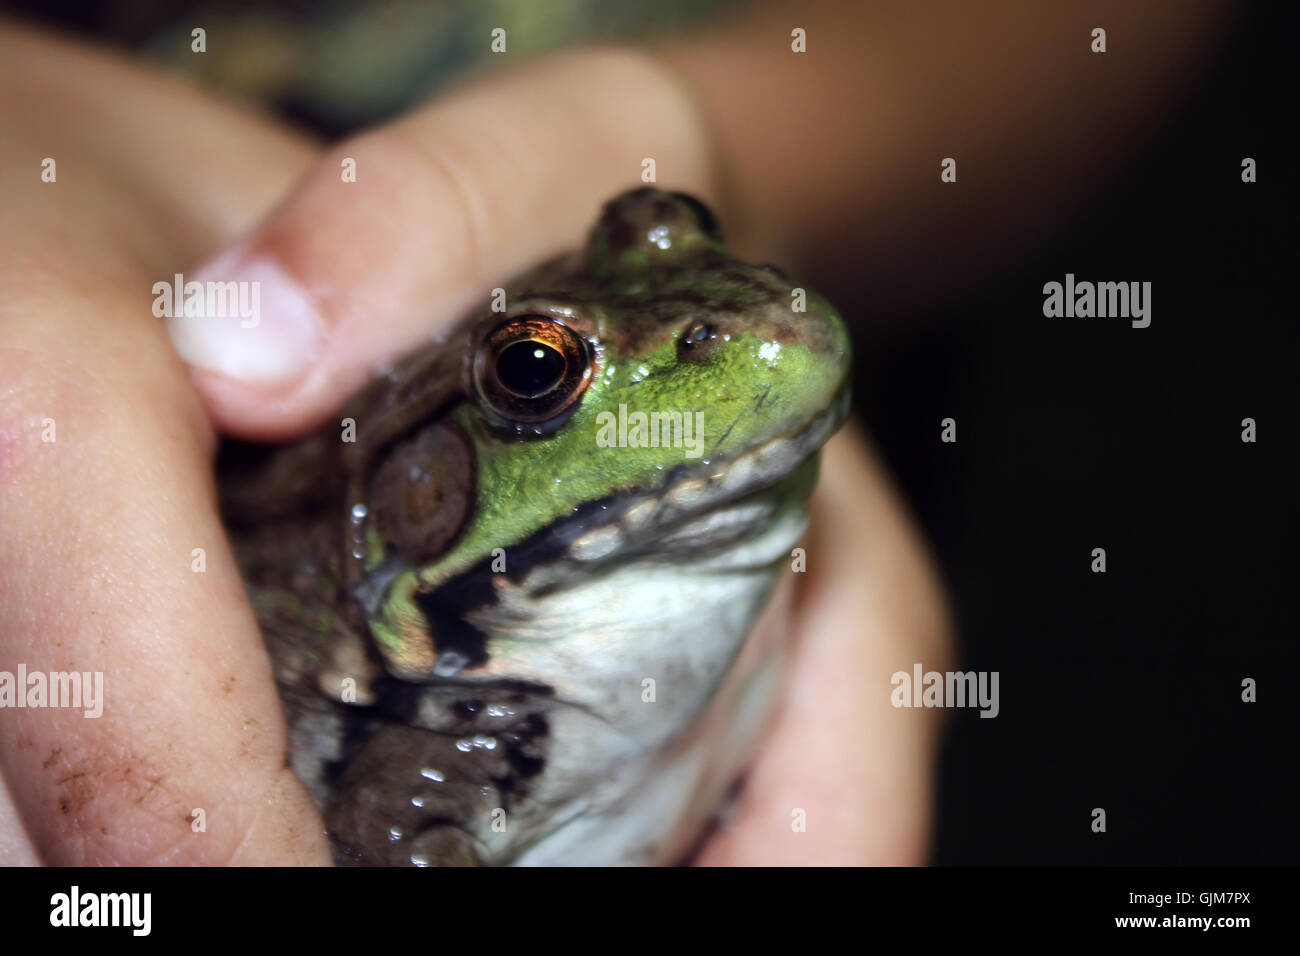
350,271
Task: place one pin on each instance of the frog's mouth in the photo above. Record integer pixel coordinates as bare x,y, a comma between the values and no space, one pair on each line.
701,505
697,507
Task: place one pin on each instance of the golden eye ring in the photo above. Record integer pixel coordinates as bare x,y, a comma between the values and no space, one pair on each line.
531,369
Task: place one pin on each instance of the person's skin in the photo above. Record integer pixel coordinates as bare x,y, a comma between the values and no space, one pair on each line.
97,528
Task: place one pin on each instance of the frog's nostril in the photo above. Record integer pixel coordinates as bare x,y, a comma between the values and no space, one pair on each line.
699,332
697,341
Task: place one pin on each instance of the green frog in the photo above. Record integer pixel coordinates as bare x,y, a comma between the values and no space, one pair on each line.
509,595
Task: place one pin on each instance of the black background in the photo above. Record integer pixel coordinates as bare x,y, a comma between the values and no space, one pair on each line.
1123,690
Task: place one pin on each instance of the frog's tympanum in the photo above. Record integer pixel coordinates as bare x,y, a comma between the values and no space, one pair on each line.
509,595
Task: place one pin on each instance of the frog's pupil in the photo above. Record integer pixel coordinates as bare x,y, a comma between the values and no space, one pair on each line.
530,368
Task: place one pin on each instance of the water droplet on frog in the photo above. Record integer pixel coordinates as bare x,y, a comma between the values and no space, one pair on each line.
430,774
500,710
464,745
394,833
359,513
449,664
417,801
419,859
358,553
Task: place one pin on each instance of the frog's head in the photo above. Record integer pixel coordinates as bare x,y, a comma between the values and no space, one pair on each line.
624,394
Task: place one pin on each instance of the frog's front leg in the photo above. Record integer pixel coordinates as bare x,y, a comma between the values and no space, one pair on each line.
411,797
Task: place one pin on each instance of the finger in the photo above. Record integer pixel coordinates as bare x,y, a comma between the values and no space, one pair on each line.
105,493
447,203
147,133
845,778
100,526
15,845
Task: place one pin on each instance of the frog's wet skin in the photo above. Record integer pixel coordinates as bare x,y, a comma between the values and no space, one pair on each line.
501,640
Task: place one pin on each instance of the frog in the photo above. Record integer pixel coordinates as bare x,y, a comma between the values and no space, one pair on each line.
510,595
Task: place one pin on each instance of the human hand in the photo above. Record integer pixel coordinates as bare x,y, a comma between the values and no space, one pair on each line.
106,478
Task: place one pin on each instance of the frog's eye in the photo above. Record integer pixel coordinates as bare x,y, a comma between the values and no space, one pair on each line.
531,369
